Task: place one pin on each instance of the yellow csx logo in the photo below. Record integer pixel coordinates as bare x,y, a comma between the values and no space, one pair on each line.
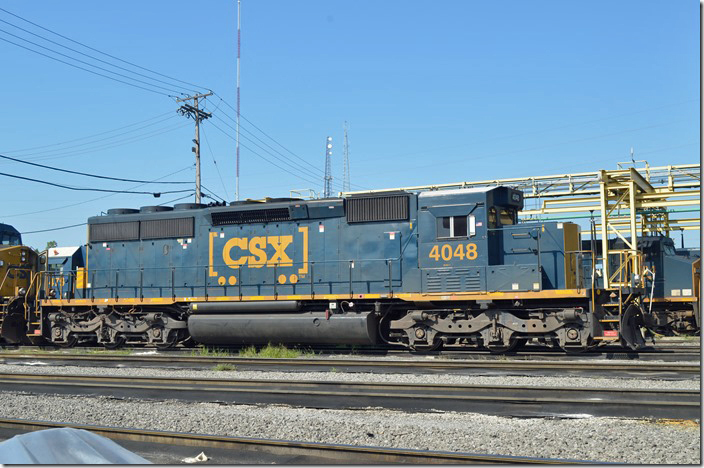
234,251
259,251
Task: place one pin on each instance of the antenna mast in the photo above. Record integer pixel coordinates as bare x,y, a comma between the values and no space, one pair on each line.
237,144
327,180
346,163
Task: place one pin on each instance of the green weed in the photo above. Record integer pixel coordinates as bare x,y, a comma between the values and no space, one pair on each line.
224,367
204,351
274,351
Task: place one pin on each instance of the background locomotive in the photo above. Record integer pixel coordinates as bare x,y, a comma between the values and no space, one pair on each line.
424,269
19,265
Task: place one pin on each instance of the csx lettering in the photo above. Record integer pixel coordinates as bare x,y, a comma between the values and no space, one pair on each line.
462,251
257,248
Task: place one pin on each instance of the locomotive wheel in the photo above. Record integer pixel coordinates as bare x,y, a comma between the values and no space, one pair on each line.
170,342
119,341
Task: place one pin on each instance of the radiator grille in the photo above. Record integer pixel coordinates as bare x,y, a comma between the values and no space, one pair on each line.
164,228
135,230
384,208
251,216
114,231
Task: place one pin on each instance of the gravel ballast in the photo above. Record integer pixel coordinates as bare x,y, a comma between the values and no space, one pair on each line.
600,439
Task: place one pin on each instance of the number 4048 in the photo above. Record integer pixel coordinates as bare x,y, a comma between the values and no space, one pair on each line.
447,251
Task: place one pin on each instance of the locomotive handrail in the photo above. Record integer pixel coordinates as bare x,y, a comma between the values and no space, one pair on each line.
414,232
579,255
136,282
17,268
7,272
35,280
49,284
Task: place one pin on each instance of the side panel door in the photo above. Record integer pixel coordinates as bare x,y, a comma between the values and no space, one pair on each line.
451,263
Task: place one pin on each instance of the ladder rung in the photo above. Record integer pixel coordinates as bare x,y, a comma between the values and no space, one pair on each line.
606,338
609,320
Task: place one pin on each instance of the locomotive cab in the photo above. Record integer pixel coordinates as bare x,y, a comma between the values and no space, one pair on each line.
459,236
470,241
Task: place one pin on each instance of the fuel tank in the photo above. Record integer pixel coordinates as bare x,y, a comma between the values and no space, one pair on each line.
300,328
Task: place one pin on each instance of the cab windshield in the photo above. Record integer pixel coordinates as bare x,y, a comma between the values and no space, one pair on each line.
9,238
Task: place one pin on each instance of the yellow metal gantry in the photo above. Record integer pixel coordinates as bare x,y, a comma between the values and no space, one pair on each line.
630,202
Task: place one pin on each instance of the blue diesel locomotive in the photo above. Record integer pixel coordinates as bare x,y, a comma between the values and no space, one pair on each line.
421,270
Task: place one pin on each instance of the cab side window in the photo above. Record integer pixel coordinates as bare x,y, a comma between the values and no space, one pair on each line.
455,226
507,217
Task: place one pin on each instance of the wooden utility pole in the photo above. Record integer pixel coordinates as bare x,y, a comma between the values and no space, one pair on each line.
196,114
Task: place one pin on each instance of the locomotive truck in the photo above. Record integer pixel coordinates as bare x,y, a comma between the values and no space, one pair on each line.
426,269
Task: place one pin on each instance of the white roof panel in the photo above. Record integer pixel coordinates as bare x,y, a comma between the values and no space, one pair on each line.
440,193
62,251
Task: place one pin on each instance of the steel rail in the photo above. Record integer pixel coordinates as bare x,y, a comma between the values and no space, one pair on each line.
465,365
312,451
522,401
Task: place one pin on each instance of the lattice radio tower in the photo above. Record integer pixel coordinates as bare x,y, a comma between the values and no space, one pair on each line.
327,180
346,163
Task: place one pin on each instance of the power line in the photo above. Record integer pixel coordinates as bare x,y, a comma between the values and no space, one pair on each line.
105,146
217,168
84,189
99,142
54,229
315,168
88,63
81,68
266,159
84,173
212,193
172,115
92,199
283,160
176,199
306,178
99,51
265,134
90,56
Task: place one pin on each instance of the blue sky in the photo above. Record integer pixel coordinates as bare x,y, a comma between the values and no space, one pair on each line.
434,92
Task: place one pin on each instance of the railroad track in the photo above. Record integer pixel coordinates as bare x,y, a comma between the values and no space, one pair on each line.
506,366
667,351
243,450
515,401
